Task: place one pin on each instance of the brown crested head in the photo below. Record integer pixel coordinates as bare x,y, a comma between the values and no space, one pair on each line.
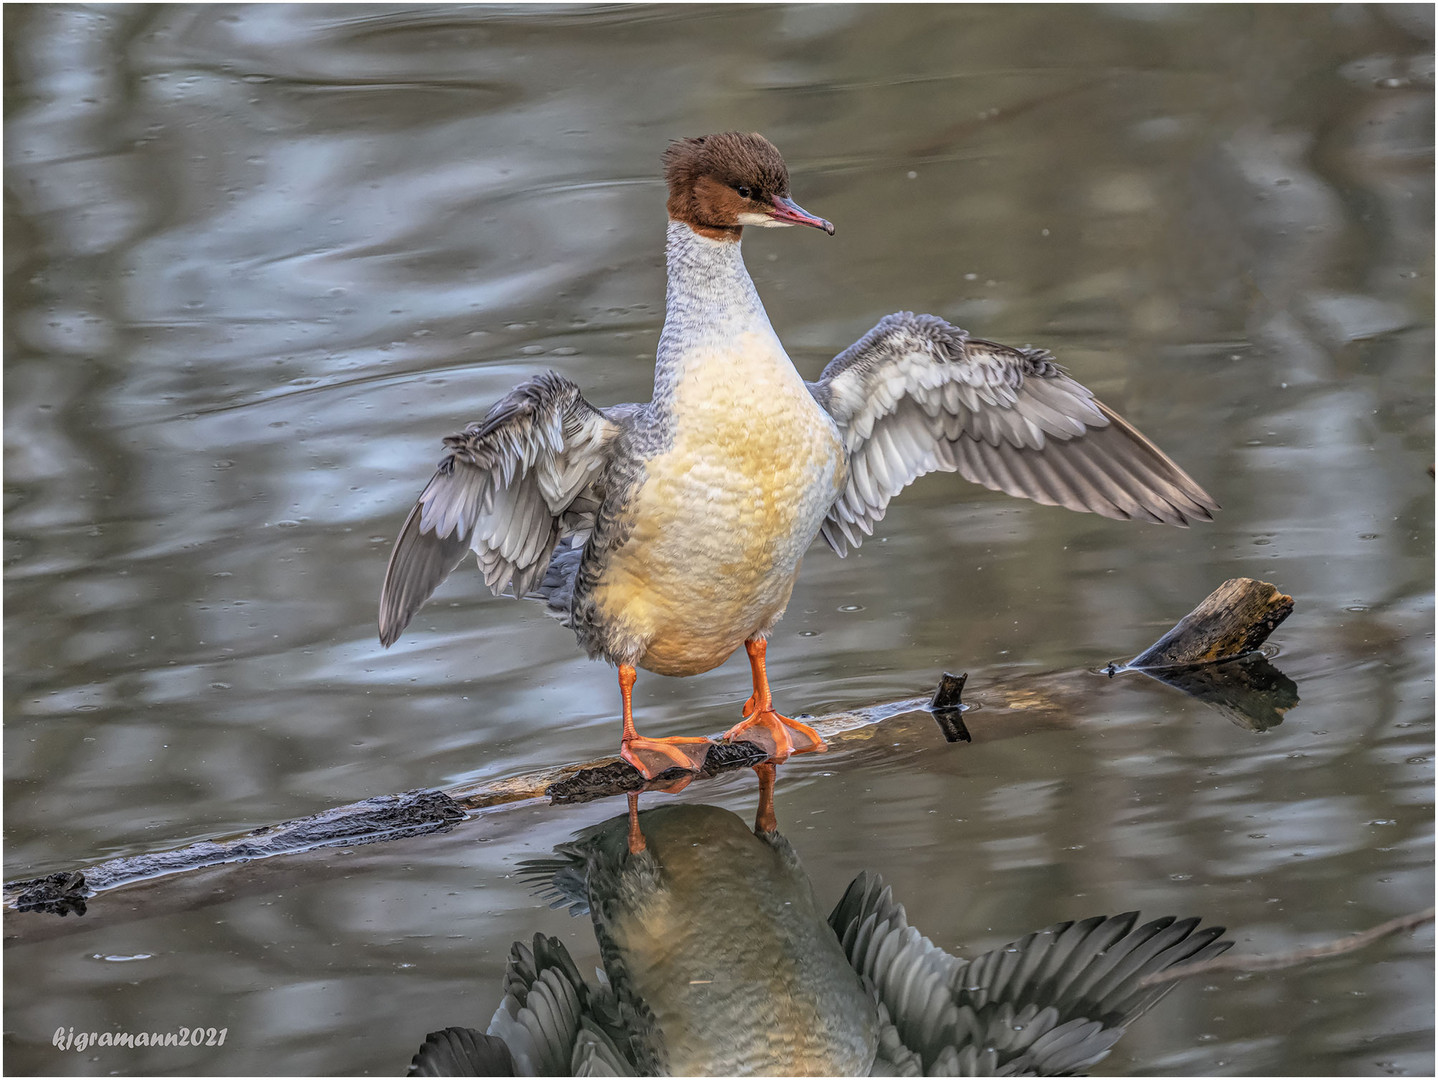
720,183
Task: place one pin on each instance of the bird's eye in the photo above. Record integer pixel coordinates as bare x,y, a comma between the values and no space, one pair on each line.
744,191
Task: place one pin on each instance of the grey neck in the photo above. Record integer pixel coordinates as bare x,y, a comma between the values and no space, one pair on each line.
710,298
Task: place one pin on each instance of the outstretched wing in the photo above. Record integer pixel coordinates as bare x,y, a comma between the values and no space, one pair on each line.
915,395
1051,1003
508,489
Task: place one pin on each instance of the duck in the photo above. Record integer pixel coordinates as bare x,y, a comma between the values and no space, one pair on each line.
666,534
717,960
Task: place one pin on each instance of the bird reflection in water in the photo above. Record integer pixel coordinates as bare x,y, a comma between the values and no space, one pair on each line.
719,961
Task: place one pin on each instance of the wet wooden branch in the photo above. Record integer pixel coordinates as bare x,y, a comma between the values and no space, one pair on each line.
384,817
1275,961
411,813
1236,618
878,732
1211,654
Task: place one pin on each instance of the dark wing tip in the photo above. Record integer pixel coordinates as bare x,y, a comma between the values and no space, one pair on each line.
1186,497
417,566
390,628
1114,471
459,1051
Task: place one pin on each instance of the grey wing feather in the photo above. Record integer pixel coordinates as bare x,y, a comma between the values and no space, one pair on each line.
508,489
1052,1002
892,1057
916,395
595,874
552,1021
459,1051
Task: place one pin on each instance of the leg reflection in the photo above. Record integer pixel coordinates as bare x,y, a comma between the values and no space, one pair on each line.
636,838
764,819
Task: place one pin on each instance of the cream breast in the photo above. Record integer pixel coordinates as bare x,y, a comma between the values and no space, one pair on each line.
725,513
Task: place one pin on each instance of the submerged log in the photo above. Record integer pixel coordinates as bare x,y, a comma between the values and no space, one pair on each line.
1248,690
1011,708
411,813
370,821
1245,963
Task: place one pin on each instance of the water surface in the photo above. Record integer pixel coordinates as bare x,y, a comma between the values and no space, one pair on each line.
260,259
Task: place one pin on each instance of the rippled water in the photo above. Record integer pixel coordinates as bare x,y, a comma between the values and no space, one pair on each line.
261,258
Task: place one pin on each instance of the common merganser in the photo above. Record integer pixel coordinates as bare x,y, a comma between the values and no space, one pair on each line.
668,534
718,961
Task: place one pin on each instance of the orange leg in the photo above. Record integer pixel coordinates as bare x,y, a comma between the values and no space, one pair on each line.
764,819
653,756
777,735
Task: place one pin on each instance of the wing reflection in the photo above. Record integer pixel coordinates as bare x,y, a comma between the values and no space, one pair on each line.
718,961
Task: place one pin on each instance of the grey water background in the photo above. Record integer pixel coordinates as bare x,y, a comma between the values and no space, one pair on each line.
260,259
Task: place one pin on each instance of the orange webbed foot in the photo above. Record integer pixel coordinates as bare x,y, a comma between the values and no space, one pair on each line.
654,756
777,735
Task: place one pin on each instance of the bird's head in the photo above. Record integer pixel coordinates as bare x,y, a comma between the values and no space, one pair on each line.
720,183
